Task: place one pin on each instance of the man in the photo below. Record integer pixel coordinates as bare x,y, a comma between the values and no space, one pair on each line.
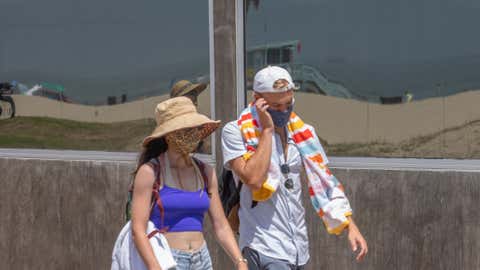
187,89
192,91
267,148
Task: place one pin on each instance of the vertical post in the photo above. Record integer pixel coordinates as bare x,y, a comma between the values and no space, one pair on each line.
240,55
225,67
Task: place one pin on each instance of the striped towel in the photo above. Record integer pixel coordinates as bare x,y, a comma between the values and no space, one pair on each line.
326,192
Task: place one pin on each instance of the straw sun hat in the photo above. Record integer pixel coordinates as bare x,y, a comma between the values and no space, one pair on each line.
184,87
179,113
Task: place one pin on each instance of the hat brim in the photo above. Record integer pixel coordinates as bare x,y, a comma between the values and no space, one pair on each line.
182,122
194,88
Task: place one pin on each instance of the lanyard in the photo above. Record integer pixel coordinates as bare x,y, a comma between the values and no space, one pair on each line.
284,167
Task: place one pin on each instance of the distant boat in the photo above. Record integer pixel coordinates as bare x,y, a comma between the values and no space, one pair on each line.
50,91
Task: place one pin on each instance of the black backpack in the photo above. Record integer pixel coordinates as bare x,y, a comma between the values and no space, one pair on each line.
230,197
229,192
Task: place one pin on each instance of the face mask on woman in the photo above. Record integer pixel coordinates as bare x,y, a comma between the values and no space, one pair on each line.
184,140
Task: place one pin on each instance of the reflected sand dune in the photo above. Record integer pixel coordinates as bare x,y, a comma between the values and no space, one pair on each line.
337,120
439,127
43,107
135,110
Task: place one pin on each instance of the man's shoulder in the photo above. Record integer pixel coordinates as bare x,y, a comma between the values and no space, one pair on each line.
232,142
231,133
231,129
231,125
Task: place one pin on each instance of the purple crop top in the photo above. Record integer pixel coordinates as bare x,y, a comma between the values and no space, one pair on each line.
183,210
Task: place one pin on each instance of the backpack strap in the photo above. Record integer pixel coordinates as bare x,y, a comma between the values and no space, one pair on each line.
202,168
156,200
154,163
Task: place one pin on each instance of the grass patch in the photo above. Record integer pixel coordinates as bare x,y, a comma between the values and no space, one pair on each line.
48,133
42,132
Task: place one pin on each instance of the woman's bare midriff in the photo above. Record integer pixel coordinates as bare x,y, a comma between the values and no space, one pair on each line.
186,241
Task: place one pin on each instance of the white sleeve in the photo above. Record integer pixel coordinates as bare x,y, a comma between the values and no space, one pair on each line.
232,143
322,151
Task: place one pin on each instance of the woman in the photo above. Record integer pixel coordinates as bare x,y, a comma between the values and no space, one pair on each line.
186,190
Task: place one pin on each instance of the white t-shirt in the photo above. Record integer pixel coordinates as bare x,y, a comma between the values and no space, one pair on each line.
275,227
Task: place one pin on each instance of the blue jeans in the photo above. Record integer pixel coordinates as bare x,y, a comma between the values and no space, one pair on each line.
196,260
258,261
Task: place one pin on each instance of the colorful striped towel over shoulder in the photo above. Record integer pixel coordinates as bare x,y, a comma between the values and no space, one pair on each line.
326,192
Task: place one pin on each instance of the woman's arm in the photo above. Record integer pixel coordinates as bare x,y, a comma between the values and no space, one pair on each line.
141,201
223,232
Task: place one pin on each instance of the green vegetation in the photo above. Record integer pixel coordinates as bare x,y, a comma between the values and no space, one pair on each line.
457,142
40,132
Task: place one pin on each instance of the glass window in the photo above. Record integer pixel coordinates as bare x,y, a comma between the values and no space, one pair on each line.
388,78
96,68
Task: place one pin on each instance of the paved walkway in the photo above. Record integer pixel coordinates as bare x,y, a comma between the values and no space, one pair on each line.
335,162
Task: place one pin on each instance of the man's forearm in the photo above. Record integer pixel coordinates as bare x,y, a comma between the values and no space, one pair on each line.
256,168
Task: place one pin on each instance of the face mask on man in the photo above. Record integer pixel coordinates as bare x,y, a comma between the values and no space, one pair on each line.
280,118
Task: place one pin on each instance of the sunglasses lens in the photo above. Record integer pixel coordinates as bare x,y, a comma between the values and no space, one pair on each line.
289,183
285,168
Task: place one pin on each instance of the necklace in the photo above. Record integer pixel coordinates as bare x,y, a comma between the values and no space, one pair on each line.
177,173
284,167
179,178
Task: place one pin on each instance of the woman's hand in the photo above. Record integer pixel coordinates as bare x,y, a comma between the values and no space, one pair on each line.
242,266
221,228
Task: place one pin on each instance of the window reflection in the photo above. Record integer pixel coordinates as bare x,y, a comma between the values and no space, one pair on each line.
107,63
376,78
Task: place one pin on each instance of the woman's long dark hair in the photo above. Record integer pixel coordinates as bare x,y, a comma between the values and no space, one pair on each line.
155,148
152,150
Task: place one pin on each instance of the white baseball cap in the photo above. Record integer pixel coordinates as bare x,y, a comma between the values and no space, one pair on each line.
265,79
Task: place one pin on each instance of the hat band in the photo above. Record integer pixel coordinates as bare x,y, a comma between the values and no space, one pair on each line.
184,87
289,87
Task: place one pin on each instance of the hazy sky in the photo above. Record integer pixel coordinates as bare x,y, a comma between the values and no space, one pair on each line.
378,46
109,47
109,43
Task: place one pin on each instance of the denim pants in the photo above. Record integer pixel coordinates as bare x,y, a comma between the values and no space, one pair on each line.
258,261
196,260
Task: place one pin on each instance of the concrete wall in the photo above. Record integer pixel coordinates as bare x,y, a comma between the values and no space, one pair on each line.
66,215
59,214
